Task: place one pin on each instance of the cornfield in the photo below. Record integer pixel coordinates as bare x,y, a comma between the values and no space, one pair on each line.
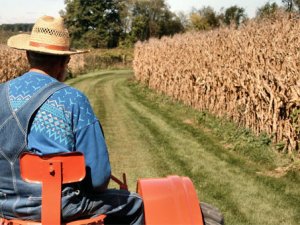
249,75
14,63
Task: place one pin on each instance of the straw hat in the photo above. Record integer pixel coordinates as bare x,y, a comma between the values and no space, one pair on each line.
48,36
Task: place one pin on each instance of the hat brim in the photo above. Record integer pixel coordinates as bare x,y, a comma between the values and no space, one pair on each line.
21,42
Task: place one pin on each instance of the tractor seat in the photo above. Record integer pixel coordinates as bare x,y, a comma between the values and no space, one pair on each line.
53,171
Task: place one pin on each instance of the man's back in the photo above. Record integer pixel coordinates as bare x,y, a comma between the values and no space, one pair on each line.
64,122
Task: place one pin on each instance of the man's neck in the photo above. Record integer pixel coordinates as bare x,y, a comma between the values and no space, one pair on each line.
51,73
38,71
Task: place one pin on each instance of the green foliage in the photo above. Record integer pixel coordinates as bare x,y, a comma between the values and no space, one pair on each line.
291,5
295,121
204,19
242,140
234,14
17,27
267,10
198,22
109,23
153,19
140,28
93,23
297,4
169,24
108,59
112,23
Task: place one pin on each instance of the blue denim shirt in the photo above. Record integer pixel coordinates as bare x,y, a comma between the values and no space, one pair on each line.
45,122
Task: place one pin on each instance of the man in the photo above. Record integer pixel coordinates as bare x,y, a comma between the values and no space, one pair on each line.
40,114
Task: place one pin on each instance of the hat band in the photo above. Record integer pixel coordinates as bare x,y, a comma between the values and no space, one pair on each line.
51,47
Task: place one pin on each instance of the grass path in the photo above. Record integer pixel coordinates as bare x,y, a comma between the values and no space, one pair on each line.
149,136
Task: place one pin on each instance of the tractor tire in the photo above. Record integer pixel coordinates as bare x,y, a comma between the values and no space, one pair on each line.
211,215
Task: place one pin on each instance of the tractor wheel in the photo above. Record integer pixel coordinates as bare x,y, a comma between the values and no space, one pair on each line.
211,215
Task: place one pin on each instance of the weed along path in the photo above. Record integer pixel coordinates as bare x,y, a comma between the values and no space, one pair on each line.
148,135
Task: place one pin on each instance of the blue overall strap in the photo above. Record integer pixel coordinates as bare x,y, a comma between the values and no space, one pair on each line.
34,103
4,104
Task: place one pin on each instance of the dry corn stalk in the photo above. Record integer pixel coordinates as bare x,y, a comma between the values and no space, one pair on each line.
14,63
250,75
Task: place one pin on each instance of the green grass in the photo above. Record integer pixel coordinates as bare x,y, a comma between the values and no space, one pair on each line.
149,135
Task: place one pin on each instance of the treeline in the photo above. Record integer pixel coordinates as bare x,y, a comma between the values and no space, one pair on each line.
113,23
17,27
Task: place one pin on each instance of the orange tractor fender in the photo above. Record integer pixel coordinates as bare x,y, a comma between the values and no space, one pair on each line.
170,200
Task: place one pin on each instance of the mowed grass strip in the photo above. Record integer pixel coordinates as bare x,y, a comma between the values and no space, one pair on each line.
148,135
123,139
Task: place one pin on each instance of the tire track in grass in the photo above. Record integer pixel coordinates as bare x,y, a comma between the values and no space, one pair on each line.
146,141
126,148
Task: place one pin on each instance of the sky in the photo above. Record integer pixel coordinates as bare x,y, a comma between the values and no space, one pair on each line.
27,11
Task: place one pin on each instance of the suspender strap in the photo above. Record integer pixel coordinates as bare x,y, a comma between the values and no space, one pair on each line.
34,103
4,104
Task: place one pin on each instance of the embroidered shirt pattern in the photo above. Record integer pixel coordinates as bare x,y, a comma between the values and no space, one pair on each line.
54,118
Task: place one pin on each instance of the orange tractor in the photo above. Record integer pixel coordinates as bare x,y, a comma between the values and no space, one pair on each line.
170,200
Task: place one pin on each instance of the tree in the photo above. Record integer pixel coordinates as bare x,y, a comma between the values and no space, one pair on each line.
153,18
267,10
124,7
17,27
170,24
234,14
297,4
291,5
93,23
204,19
146,16
198,22
183,18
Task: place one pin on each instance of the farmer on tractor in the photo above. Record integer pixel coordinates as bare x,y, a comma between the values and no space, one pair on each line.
40,114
